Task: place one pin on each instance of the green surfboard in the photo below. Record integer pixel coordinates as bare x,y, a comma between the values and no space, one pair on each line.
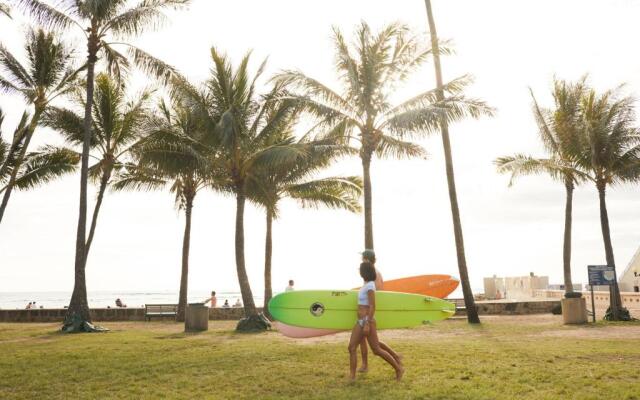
338,309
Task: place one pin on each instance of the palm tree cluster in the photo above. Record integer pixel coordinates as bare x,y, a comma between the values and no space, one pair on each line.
590,137
225,134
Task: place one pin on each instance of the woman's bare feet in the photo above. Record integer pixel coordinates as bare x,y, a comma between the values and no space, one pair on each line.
399,373
363,369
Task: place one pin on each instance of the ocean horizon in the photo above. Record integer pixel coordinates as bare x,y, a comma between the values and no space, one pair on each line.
104,299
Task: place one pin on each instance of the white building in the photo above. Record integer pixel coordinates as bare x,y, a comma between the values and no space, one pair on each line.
629,280
515,288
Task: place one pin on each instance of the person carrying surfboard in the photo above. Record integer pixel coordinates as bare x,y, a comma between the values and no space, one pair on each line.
370,256
366,325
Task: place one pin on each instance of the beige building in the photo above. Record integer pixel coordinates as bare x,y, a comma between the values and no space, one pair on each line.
515,288
629,280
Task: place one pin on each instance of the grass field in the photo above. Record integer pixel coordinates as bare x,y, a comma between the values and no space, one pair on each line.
532,357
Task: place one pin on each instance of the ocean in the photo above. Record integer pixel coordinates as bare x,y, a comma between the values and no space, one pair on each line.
103,299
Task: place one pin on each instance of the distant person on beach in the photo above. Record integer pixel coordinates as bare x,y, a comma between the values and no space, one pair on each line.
365,326
120,304
28,307
226,304
238,304
213,300
289,288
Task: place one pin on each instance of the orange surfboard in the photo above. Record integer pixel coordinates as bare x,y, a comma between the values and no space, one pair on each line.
439,286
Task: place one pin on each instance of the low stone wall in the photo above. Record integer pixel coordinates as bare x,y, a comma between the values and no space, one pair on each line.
630,300
106,314
508,307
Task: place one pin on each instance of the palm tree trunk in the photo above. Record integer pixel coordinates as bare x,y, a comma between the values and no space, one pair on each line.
243,279
615,302
268,291
78,306
17,164
184,277
104,181
472,312
368,212
566,255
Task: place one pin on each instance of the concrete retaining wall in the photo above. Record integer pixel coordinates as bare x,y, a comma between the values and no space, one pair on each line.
106,314
510,307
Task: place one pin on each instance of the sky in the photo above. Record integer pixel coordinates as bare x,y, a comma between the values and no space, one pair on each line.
507,46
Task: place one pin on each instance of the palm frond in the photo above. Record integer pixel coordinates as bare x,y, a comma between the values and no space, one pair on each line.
147,14
153,66
45,166
391,147
48,16
334,192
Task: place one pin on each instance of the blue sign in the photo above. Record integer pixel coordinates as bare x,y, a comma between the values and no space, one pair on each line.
601,275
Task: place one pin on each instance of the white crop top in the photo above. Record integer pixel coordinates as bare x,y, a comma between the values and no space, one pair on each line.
363,295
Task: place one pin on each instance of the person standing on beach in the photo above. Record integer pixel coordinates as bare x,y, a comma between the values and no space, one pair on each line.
370,256
213,300
366,327
290,287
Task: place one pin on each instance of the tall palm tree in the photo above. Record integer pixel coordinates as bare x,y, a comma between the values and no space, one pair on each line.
559,129
297,182
37,168
369,71
241,124
98,20
48,75
611,153
117,127
171,155
472,312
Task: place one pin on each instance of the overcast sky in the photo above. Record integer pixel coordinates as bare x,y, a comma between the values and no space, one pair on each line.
507,45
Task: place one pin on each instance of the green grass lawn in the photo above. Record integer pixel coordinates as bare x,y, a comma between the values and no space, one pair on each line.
505,358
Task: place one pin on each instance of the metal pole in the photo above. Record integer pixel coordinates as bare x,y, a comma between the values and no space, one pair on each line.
593,304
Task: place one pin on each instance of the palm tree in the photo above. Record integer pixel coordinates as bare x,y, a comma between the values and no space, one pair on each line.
369,71
472,312
117,128
241,125
5,10
171,155
97,20
611,153
559,129
48,75
38,167
297,182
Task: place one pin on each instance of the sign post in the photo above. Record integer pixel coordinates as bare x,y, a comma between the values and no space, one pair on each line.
599,275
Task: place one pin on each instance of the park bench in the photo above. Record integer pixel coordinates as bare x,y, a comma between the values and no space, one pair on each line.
160,310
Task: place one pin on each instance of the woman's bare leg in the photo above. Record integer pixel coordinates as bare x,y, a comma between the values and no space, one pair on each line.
374,343
356,337
396,356
365,355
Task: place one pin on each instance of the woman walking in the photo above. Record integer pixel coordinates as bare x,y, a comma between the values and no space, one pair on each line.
366,325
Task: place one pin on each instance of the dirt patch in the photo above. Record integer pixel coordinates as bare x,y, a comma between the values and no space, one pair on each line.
631,332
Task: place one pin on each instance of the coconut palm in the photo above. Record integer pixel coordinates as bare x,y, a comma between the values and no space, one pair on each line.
241,124
117,128
369,71
48,75
98,20
170,155
559,129
297,182
37,168
611,153
472,312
